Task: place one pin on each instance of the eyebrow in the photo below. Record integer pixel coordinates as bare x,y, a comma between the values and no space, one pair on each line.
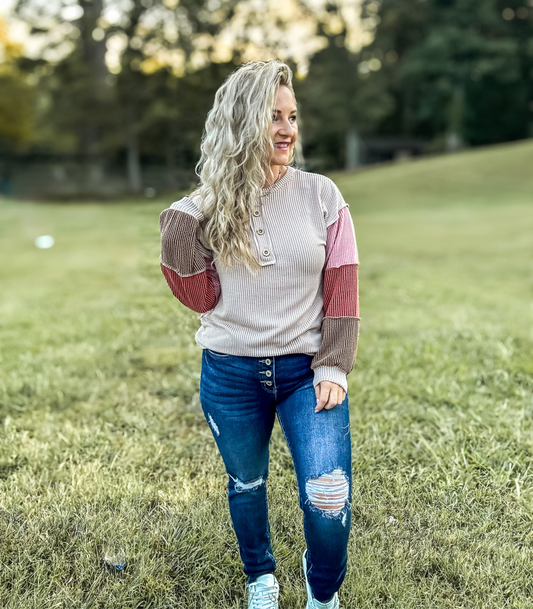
292,111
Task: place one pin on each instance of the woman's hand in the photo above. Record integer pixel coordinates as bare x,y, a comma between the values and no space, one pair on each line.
328,395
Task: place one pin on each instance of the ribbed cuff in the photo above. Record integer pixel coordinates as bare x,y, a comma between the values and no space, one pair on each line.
330,373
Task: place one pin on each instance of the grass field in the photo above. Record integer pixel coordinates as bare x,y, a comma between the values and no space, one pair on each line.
103,445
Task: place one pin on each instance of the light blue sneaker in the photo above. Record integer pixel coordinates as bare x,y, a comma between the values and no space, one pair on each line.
312,603
263,593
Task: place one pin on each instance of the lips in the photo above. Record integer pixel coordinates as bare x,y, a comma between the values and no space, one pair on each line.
282,145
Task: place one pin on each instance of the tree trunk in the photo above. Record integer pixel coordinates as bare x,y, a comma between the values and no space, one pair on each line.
353,148
134,159
94,164
134,163
94,53
170,159
454,137
299,158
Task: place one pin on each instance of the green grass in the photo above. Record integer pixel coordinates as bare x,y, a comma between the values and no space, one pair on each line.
103,443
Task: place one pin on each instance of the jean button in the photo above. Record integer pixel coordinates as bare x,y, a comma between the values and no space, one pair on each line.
268,373
269,383
268,362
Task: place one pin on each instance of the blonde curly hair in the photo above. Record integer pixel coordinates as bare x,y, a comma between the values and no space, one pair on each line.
235,153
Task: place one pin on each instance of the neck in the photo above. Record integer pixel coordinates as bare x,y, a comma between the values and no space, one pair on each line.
273,173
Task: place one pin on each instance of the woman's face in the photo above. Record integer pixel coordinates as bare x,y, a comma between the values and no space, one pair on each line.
284,129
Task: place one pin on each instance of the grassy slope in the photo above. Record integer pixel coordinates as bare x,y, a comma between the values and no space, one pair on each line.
103,444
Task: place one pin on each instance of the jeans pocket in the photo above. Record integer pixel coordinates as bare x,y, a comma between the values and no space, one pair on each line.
218,355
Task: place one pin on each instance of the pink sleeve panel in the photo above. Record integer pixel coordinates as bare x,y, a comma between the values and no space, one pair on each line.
341,292
340,326
341,246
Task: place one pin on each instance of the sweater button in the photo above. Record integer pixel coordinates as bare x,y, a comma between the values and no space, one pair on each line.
260,231
266,253
257,213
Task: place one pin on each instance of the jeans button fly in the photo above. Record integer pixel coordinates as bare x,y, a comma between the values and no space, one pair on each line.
268,373
268,362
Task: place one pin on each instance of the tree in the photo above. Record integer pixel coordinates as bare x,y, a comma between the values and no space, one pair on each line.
17,99
99,114
77,102
339,104
456,69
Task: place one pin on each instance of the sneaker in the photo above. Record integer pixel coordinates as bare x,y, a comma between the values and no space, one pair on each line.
312,603
263,592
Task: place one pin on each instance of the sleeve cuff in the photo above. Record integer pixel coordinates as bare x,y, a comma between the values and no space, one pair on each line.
332,374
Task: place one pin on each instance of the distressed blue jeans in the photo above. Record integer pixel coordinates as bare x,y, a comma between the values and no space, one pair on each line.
240,397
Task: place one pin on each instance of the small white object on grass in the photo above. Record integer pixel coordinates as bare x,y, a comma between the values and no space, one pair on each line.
115,559
44,242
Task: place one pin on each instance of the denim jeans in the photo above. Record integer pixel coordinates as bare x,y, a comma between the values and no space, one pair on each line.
240,397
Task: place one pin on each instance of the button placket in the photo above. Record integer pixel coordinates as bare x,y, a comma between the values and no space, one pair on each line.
268,373
261,238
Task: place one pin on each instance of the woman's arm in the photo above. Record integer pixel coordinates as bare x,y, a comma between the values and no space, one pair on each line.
340,326
186,264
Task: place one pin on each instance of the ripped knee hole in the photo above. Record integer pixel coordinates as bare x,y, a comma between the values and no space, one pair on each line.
329,492
242,487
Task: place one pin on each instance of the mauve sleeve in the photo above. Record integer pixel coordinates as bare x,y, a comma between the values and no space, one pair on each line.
186,264
340,326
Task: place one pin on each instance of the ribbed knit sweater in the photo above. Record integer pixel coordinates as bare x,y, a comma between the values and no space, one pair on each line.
304,298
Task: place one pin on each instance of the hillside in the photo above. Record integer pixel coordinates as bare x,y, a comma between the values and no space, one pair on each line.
488,176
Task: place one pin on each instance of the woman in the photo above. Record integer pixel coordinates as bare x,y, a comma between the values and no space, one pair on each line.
267,254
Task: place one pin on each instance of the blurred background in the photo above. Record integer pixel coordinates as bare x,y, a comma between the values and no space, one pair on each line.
103,98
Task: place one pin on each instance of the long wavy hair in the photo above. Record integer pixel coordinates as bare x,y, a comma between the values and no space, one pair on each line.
236,150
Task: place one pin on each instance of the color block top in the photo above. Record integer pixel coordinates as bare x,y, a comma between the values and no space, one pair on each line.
304,298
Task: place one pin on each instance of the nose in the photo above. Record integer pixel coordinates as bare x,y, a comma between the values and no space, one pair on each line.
286,128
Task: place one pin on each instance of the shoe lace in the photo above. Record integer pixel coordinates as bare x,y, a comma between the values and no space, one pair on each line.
262,597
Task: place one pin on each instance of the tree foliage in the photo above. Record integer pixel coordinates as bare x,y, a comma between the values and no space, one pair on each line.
144,105
461,69
16,96
130,84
